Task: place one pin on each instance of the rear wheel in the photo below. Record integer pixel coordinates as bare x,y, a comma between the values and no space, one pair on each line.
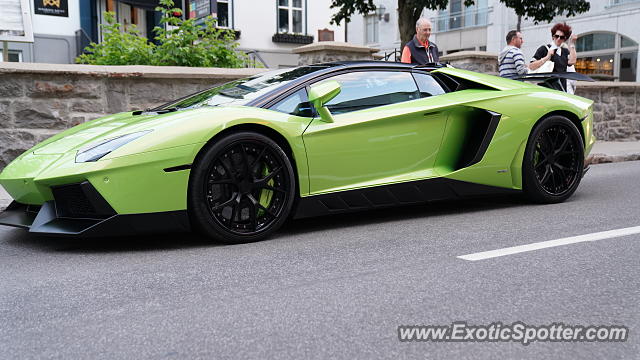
241,188
553,161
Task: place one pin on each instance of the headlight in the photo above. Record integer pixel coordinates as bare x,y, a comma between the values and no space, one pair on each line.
95,152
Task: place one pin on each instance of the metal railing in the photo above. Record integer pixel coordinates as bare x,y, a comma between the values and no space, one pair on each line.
254,59
82,41
394,55
461,20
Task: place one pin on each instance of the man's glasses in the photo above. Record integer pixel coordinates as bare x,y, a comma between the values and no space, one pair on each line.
561,37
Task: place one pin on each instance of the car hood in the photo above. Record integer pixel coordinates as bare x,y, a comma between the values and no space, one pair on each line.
100,129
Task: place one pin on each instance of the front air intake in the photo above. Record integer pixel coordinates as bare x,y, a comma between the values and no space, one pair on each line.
80,200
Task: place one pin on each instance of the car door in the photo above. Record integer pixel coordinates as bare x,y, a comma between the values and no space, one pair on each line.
384,132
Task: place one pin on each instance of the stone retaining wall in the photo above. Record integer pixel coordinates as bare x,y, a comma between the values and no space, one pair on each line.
616,109
39,100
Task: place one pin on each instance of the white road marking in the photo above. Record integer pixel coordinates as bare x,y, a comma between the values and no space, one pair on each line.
551,243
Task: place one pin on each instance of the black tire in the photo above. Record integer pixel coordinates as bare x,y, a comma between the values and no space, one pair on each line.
553,161
241,188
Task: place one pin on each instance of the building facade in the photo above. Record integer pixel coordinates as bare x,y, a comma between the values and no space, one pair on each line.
607,45
267,29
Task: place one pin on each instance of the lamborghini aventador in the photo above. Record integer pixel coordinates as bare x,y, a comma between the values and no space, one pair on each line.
235,161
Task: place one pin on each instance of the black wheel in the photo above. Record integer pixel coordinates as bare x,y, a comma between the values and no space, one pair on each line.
553,161
241,188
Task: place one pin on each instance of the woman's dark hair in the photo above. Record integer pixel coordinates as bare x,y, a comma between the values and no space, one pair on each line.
566,29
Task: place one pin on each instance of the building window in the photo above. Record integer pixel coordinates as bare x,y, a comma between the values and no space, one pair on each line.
290,16
607,56
458,16
15,56
224,14
371,23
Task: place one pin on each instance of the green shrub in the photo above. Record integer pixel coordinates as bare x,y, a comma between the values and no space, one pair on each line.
118,47
180,43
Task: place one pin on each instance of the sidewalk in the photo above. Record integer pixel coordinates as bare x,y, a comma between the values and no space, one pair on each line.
614,151
602,152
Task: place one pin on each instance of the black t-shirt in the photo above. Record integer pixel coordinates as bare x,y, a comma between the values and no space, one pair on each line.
560,60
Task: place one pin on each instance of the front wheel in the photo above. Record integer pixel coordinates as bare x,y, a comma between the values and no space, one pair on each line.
241,188
553,161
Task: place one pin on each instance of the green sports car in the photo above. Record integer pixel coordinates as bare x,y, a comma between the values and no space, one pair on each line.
236,161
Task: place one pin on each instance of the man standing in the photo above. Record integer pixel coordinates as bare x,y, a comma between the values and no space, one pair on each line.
511,61
420,50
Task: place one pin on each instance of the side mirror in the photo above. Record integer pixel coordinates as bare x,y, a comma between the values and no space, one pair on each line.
321,94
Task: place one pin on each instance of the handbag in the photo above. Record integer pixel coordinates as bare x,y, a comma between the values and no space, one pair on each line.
547,67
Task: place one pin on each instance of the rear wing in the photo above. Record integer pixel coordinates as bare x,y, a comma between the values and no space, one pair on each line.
552,80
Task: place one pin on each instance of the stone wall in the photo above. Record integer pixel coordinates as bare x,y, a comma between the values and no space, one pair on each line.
480,61
616,109
330,51
39,100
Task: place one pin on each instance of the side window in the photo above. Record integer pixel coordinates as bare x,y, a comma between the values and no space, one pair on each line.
295,104
363,90
428,85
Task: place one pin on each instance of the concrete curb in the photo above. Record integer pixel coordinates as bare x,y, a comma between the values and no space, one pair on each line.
594,159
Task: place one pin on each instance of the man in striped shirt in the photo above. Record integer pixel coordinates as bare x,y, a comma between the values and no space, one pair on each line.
511,59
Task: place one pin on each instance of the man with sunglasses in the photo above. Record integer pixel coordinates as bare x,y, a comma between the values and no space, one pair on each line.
562,51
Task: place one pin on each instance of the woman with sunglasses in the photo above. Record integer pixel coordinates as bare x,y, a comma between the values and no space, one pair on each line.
562,51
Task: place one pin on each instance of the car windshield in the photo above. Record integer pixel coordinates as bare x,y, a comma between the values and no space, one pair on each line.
240,92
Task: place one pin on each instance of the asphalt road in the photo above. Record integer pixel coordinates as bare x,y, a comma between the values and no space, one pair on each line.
335,287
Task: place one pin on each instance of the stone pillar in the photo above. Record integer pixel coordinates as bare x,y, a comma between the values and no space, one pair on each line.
479,61
329,51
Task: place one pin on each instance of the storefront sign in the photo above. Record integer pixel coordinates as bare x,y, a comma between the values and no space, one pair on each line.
51,7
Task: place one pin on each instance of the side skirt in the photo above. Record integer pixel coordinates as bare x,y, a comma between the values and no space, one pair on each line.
407,193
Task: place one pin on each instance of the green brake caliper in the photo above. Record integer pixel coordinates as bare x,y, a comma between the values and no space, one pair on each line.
265,195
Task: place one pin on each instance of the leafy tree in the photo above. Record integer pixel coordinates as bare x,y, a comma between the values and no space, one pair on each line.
546,10
409,10
180,43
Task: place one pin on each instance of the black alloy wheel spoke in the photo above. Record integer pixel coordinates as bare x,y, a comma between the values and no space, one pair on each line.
259,157
271,188
553,178
561,171
545,177
257,205
253,212
262,182
245,160
562,146
224,204
236,210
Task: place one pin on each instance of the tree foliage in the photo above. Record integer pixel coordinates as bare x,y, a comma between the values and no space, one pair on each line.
409,11
179,43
